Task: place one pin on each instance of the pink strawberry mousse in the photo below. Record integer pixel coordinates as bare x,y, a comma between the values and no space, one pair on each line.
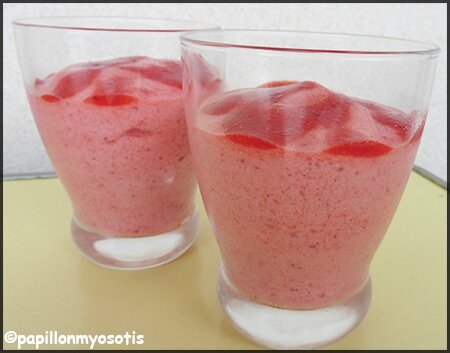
300,184
115,132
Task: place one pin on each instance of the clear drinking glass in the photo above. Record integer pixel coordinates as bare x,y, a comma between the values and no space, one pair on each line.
107,100
302,150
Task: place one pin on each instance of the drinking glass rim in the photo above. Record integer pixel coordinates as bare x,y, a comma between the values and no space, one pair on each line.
194,38
56,22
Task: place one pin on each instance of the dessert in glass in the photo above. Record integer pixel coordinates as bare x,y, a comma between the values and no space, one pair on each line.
106,96
302,156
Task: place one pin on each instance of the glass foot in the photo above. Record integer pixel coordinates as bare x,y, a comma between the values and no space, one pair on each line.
291,329
136,253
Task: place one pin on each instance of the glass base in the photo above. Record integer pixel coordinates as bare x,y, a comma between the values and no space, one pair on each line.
126,253
291,329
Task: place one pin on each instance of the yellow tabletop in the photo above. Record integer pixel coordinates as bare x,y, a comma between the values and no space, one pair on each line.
49,285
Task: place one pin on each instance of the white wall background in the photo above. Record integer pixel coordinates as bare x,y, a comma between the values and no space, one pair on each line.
23,152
